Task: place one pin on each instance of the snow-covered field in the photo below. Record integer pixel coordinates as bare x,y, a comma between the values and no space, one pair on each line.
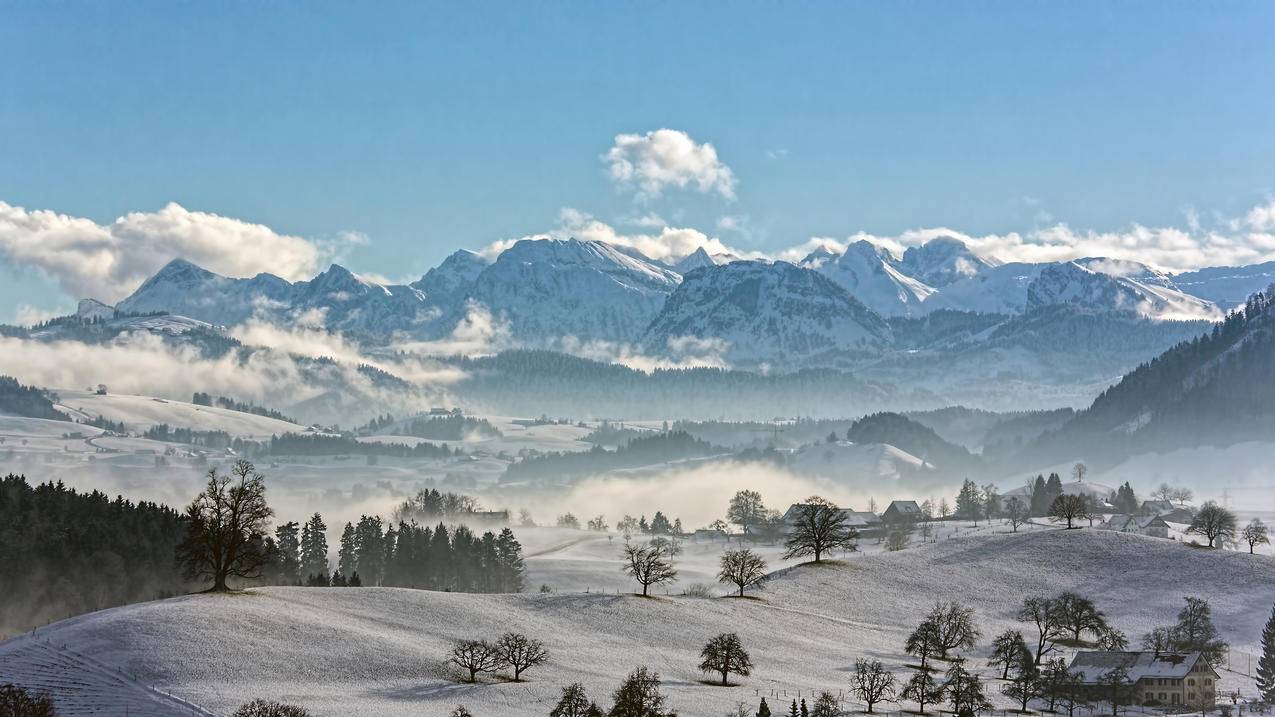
378,651
140,412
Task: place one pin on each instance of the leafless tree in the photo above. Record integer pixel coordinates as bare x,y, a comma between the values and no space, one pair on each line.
649,565
475,656
725,654
520,652
746,510
1255,534
1069,508
1215,523
226,528
1016,512
819,527
1046,614
872,682
744,568
954,627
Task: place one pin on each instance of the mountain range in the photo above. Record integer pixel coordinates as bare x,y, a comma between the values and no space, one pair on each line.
940,319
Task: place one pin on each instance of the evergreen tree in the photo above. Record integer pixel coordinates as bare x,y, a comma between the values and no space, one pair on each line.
314,547
763,709
347,554
1125,500
969,502
660,525
1266,663
512,574
1040,498
288,544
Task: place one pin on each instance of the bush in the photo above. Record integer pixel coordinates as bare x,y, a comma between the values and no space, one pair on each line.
264,708
17,702
698,590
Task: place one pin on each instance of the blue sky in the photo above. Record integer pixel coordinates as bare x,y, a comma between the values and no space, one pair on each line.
430,127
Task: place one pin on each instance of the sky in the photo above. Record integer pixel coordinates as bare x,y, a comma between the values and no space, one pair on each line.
282,136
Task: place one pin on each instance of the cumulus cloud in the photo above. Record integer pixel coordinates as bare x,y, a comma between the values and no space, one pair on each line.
109,261
652,162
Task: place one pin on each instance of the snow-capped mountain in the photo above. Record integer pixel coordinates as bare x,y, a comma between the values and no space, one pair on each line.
1137,289
449,282
586,289
869,273
1227,286
766,312
942,261
182,288
699,259
338,298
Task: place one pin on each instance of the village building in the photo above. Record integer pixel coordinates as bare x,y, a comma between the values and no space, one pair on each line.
867,524
1152,525
1169,679
902,511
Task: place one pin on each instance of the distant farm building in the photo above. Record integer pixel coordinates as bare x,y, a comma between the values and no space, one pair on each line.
1169,679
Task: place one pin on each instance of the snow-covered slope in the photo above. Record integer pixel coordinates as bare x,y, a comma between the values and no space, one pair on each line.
449,282
766,312
996,290
862,465
1133,288
586,289
353,304
138,413
379,651
869,273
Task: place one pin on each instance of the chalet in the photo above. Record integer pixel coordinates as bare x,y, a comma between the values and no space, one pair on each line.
901,511
1182,679
866,523
1152,525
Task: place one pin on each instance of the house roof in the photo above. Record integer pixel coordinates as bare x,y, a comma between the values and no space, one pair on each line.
907,507
1157,506
1091,665
853,518
1141,522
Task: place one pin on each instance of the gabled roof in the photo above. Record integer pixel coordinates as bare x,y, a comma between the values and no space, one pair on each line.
905,507
853,518
1091,665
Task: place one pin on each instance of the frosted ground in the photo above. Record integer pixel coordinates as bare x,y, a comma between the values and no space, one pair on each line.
377,651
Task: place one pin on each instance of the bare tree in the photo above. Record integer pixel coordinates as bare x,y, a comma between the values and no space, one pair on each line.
1173,494
1069,508
819,527
1255,534
1215,523
1079,471
520,652
226,528
746,510
475,656
923,643
1046,614
1009,649
574,703
1016,512
1080,615
744,568
872,682
725,654
649,565
954,627
923,689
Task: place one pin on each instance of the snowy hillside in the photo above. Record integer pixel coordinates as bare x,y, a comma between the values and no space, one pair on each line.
377,651
1085,284
766,312
138,413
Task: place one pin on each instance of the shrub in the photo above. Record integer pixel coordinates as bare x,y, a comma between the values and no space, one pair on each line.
264,708
17,702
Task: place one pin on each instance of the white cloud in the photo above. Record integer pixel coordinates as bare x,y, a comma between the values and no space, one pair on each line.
28,315
664,158
109,261
479,333
1261,217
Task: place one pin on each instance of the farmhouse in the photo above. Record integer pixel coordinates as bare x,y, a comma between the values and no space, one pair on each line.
1163,678
1152,525
902,511
866,523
